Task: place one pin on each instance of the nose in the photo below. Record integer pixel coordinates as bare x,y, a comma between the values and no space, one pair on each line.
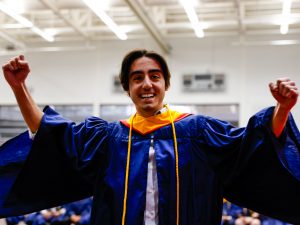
147,83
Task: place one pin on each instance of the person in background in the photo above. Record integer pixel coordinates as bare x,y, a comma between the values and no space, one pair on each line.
248,217
230,213
79,212
159,166
15,220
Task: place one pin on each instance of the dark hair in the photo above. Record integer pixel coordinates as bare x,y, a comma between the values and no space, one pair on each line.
136,54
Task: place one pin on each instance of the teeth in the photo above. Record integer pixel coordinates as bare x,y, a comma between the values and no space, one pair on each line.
147,95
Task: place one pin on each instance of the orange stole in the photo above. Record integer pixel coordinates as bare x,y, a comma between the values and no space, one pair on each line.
146,125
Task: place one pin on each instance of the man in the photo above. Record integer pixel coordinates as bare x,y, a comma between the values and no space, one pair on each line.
159,166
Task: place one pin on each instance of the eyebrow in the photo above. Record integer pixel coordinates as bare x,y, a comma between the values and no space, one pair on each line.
140,71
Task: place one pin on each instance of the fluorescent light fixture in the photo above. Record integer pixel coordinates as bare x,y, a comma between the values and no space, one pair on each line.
12,26
284,28
18,6
263,43
286,12
99,11
286,7
51,31
25,22
104,4
22,20
193,17
43,34
285,42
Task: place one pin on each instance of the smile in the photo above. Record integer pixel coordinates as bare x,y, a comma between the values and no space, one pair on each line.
147,96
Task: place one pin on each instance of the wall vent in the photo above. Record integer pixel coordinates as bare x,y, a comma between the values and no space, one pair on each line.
203,82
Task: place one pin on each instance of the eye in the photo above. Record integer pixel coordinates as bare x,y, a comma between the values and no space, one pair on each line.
137,77
155,76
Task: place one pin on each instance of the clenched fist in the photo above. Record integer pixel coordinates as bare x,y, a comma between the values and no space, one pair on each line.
285,92
16,71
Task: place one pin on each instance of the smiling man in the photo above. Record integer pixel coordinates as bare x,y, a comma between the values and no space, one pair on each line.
159,166
146,86
145,77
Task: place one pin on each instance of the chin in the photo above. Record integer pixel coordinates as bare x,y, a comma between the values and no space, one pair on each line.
150,108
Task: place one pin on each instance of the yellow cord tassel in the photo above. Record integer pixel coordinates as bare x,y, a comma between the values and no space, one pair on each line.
127,172
176,165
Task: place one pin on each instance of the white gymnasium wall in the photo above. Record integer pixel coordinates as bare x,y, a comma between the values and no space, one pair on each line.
248,70
87,76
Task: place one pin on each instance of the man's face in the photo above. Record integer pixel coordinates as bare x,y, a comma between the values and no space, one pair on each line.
146,86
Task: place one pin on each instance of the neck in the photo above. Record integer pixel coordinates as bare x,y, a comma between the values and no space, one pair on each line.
145,114
149,114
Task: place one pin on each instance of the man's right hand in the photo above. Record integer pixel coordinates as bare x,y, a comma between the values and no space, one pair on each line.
16,71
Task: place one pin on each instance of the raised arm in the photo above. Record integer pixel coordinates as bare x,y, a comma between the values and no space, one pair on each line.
15,72
286,94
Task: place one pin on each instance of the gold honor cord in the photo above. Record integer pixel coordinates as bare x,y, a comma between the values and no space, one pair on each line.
127,172
176,165
128,164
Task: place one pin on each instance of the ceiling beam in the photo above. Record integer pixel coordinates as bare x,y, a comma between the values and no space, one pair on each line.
12,40
241,14
144,17
56,11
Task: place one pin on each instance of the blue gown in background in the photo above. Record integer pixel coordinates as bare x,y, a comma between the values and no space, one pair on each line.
80,208
67,162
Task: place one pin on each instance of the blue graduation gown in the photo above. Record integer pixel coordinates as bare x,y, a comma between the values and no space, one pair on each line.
67,162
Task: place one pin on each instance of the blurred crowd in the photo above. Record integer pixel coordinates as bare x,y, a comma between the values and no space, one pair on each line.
75,213
236,215
78,213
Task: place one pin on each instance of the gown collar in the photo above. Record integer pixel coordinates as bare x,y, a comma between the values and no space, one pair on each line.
146,125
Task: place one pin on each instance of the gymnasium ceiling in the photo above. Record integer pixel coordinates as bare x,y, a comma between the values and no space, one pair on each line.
71,22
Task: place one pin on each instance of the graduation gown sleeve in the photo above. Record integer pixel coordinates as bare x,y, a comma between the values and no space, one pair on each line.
58,166
266,175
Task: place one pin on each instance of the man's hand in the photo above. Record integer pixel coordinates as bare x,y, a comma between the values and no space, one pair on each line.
285,92
16,71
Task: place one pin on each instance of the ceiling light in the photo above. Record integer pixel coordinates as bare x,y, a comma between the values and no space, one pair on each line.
188,6
25,22
99,11
22,20
51,31
264,43
12,26
43,34
284,28
285,42
286,12
18,6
